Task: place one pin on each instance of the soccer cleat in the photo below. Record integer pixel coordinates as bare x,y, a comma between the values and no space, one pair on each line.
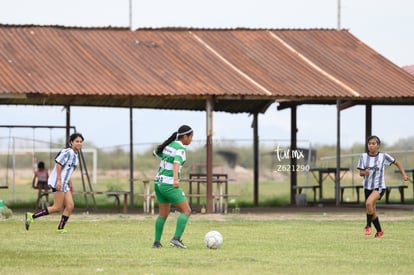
368,230
379,234
29,219
61,231
177,243
156,244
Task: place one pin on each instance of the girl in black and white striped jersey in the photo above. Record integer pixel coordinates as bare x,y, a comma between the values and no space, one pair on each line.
371,166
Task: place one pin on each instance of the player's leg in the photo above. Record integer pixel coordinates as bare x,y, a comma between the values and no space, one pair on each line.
371,202
69,206
164,210
185,212
368,206
375,218
180,202
58,199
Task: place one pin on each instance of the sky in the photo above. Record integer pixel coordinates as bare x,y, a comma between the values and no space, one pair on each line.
385,26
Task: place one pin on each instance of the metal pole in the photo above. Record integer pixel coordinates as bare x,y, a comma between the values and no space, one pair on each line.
209,160
130,15
338,153
368,123
256,160
14,169
67,124
293,146
339,15
131,157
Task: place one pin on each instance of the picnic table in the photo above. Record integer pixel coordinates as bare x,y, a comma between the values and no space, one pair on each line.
197,185
321,174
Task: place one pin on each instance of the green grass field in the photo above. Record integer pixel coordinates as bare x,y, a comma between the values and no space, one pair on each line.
308,242
271,243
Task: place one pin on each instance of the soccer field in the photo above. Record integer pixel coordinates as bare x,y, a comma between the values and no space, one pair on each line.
270,243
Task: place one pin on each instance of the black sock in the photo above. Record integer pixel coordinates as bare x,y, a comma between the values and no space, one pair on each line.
369,219
40,213
377,224
63,221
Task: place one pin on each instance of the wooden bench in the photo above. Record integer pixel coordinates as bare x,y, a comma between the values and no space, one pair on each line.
220,194
313,187
149,202
400,188
356,187
148,205
115,194
220,203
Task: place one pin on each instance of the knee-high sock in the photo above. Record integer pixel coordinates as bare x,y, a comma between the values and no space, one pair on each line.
377,224
63,221
40,213
369,219
159,227
181,224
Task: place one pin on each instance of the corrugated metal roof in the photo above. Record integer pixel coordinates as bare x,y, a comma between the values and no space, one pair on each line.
409,69
244,69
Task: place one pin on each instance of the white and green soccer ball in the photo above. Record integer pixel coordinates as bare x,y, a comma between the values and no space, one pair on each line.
213,239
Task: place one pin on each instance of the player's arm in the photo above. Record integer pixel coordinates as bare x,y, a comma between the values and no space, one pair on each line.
34,181
59,176
176,170
364,172
401,168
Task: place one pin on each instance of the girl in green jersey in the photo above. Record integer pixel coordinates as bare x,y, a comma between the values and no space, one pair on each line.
172,155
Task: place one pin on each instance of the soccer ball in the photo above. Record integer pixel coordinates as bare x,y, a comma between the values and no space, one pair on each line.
213,239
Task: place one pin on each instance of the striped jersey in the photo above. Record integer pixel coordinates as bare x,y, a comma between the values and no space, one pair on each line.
175,152
377,163
69,160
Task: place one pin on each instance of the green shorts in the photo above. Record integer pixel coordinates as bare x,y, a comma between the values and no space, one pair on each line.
166,193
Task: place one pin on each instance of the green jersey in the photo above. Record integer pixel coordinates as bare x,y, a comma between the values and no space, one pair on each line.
175,152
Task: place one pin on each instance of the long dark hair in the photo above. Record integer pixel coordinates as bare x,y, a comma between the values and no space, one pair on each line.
184,130
41,165
72,137
377,139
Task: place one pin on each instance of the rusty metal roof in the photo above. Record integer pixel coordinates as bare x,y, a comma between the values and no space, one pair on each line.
245,70
409,69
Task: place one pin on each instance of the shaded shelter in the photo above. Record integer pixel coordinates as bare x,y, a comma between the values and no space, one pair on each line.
229,70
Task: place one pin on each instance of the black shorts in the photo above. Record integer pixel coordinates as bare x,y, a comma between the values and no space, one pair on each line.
42,185
368,192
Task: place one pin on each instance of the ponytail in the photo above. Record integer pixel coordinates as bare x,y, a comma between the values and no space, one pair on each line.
182,131
161,147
